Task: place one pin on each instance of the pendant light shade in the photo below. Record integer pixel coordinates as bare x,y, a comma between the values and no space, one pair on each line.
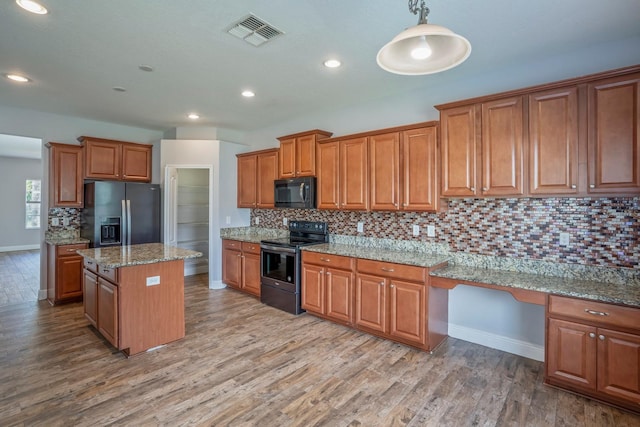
423,48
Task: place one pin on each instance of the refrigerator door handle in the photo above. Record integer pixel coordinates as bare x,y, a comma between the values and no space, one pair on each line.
123,231
128,222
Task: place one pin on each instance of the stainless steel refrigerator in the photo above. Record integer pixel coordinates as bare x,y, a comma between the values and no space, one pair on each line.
120,213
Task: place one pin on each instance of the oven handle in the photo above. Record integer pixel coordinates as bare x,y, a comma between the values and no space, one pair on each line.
278,248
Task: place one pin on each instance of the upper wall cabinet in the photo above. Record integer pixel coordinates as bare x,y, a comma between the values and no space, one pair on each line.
65,175
403,170
297,155
577,137
342,174
613,135
116,160
256,172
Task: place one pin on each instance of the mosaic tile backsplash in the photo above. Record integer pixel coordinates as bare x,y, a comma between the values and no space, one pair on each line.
71,215
603,231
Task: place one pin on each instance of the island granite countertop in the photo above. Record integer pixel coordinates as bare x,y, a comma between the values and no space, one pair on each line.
57,241
148,253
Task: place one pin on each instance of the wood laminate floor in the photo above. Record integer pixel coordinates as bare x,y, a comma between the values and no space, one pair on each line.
19,276
244,364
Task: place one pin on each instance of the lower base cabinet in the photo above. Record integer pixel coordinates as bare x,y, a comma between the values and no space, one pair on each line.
593,348
64,273
241,266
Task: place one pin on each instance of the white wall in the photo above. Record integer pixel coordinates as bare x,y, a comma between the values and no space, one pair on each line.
15,171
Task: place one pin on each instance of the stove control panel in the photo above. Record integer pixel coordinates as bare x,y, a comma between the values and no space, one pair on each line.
308,227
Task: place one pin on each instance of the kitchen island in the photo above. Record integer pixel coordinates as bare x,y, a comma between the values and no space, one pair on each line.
134,295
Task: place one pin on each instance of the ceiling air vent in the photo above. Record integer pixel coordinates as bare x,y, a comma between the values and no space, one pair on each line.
254,30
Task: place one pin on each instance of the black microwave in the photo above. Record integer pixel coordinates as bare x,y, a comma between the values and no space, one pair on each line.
298,193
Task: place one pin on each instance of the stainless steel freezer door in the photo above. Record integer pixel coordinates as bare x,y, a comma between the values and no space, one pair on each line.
143,216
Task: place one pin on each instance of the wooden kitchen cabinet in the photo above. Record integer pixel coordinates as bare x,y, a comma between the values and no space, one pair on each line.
553,142
327,286
343,174
64,273
614,135
297,156
458,152
593,348
403,170
108,311
241,266
256,172
90,297
65,175
116,160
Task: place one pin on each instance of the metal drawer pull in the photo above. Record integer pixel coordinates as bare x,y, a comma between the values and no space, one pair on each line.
592,335
390,270
601,337
596,313
325,259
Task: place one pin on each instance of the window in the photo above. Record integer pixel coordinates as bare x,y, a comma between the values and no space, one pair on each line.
32,218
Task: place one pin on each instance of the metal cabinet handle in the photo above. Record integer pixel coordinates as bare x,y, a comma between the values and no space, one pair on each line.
592,335
601,337
484,189
391,286
592,186
596,313
325,259
328,273
381,283
573,186
472,188
390,270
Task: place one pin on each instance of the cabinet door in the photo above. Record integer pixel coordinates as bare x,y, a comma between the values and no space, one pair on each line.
459,135
339,285
232,268
287,158
136,162
306,155
65,178
267,173
102,159
502,147
313,299
553,142
328,186
69,276
108,311
247,172
251,273
407,311
420,169
354,186
614,135
571,353
371,302
384,167
90,297
619,364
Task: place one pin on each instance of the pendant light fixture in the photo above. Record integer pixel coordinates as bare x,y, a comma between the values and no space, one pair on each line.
423,48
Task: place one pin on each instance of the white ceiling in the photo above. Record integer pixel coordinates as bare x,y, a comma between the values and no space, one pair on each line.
82,49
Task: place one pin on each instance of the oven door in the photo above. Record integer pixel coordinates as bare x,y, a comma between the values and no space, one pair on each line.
279,267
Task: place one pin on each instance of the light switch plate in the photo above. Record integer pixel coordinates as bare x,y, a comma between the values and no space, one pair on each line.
228,220
564,239
153,280
431,231
416,230
55,222
360,227
285,221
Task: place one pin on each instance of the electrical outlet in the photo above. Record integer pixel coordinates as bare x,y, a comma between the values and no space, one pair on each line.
416,230
228,220
257,220
564,239
285,221
431,231
65,221
55,222
360,227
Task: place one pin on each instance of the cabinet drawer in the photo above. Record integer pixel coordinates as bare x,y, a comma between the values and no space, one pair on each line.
109,273
597,312
388,269
231,244
252,248
335,261
90,265
69,250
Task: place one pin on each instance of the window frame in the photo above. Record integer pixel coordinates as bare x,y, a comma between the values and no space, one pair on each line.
31,221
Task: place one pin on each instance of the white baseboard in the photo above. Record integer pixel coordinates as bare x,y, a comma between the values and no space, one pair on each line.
42,294
18,248
499,342
216,284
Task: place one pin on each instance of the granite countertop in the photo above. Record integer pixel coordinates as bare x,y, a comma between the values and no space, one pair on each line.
627,294
148,253
378,254
65,240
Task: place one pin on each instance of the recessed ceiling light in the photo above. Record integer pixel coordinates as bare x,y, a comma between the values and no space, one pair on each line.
32,6
332,63
248,94
194,116
18,78
119,89
147,68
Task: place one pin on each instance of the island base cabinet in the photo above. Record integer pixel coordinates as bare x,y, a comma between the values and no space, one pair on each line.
593,349
108,311
90,292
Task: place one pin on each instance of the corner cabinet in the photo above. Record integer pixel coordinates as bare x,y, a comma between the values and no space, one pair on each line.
593,348
65,175
116,160
297,156
256,172
64,273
